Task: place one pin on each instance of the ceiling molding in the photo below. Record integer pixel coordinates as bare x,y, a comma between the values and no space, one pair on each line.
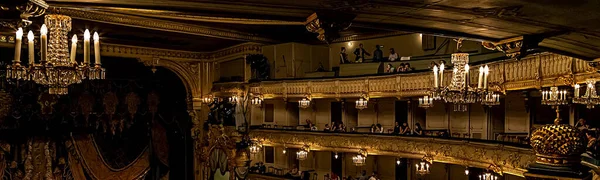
177,15
359,37
156,24
225,54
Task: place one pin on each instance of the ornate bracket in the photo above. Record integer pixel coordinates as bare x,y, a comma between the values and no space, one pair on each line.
328,24
16,13
517,47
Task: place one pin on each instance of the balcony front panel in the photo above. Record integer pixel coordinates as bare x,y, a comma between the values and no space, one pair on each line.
512,158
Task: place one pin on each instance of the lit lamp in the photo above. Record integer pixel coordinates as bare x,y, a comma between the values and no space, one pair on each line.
426,102
302,154
254,148
207,99
233,99
554,97
590,98
256,101
422,168
336,155
57,68
361,158
467,171
398,161
304,102
362,103
490,99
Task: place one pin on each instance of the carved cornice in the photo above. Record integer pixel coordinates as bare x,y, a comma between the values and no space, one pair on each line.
516,47
512,160
535,71
156,24
226,54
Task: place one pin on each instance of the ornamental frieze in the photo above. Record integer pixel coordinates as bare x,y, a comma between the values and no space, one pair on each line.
511,160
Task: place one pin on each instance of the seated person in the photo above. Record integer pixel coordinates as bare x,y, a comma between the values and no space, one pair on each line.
418,129
373,128
591,137
432,64
581,124
400,68
293,172
327,128
407,67
393,55
343,56
404,130
389,68
262,169
396,128
379,128
313,128
341,128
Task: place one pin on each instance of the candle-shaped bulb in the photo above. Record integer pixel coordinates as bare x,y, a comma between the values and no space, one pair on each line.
74,39
466,68
44,29
486,70
435,69
86,35
19,34
30,36
96,37
442,67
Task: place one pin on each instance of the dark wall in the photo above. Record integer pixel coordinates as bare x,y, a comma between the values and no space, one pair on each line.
123,76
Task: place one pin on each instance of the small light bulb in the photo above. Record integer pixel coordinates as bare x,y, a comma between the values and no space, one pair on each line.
349,43
30,36
398,162
335,156
284,151
44,29
20,33
96,37
74,39
86,35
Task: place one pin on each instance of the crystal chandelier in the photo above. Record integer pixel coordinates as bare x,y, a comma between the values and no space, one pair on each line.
426,102
302,154
56,69
590,98
304,102
256,101
361,158
422,168
458,92
362,103
554,97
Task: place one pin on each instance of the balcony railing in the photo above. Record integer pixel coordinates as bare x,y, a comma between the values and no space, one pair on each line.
512,158
536,71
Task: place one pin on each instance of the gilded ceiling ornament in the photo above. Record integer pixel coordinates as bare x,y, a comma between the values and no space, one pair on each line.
558,144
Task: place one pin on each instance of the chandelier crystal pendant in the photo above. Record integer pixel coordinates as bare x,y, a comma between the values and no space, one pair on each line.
554,97
361,158
57,68
304,102
362,103
426,102
590,98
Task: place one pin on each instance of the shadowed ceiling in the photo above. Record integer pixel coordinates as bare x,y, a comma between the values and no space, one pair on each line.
568,27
